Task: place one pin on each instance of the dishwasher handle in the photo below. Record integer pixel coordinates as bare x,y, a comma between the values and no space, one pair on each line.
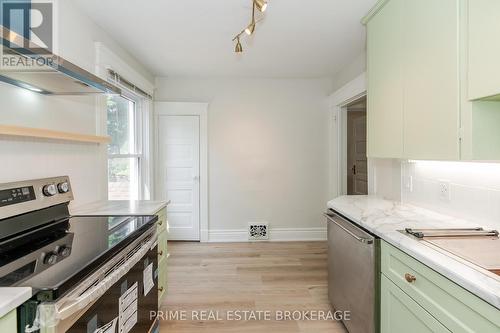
349,232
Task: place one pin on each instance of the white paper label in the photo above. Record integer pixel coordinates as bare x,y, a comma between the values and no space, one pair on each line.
129,324
108,328
127,309
148,279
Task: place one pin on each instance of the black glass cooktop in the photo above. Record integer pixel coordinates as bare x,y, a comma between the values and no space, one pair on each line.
96,239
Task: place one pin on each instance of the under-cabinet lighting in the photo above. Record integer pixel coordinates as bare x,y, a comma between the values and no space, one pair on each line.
35,89
30,87
474,174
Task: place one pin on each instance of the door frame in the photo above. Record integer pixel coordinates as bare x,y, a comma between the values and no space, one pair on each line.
352,91
189,109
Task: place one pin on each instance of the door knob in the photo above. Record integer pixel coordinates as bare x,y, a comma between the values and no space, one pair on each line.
196,177
353,169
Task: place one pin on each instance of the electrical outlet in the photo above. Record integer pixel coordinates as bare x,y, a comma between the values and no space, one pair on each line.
409,184
444,191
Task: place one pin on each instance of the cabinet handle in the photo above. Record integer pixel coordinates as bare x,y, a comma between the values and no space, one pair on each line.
410,278
160,289
160,253
160,222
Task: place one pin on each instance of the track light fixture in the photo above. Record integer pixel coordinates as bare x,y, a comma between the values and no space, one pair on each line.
238,48
261,5
251,27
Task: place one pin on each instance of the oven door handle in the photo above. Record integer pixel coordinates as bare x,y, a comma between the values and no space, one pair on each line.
52,313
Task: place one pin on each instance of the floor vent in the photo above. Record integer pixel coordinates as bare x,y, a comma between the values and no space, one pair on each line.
258,231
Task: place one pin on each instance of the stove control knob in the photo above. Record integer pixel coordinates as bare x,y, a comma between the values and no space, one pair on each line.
64,251
63,187
49,190
50,258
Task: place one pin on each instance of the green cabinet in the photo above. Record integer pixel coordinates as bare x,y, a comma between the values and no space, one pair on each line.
430,71
426,60
8,323
385,83
402,314
162,228
450,305
413,80
484,49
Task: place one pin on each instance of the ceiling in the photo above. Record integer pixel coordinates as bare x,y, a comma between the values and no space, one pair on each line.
308,38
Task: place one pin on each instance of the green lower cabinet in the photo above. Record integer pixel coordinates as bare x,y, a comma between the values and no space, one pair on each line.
162,255
414,293
8,323
400,313
162,281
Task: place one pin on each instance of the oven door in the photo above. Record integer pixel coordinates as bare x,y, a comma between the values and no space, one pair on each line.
129,305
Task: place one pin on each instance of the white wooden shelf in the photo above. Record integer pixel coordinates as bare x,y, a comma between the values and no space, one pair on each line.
7,130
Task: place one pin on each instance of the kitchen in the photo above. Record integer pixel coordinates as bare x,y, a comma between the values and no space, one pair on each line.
254,166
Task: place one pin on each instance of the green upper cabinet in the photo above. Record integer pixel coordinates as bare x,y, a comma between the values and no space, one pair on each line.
385,83
413,79
480,116
431,103
484,49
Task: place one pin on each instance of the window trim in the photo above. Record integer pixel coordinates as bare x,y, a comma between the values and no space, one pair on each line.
140,133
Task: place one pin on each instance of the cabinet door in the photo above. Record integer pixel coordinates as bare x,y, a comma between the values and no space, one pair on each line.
400,313
162,282
431,79
484,48
385,85
8,323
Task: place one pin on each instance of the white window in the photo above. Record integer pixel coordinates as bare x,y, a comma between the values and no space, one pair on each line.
125,150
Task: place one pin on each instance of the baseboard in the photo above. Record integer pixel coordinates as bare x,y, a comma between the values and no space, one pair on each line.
275,235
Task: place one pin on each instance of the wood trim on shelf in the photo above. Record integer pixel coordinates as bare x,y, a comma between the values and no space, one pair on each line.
8,130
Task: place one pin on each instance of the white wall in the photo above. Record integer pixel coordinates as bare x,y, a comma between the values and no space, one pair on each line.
350,71
474,189
386,178
30,158
268,150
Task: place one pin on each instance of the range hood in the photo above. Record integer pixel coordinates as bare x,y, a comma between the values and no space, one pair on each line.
28,66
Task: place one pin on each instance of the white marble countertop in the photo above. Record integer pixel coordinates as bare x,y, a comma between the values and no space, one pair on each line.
12,297
383,218
119,208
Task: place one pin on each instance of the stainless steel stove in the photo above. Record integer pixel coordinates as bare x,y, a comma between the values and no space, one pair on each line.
78,267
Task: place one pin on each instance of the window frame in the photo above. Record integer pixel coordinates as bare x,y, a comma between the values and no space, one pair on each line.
139,140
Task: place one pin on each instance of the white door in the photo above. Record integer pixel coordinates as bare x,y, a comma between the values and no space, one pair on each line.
179,173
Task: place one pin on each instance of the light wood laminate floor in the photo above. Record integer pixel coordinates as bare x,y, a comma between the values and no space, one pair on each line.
223,278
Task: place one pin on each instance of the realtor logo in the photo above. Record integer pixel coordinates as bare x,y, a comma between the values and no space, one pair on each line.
32,22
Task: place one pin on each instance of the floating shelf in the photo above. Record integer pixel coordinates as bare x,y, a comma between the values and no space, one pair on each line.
8,130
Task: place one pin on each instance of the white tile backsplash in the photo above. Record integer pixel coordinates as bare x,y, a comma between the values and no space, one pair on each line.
474,189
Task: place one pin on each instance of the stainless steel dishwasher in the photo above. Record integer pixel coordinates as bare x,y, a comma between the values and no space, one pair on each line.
353,273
